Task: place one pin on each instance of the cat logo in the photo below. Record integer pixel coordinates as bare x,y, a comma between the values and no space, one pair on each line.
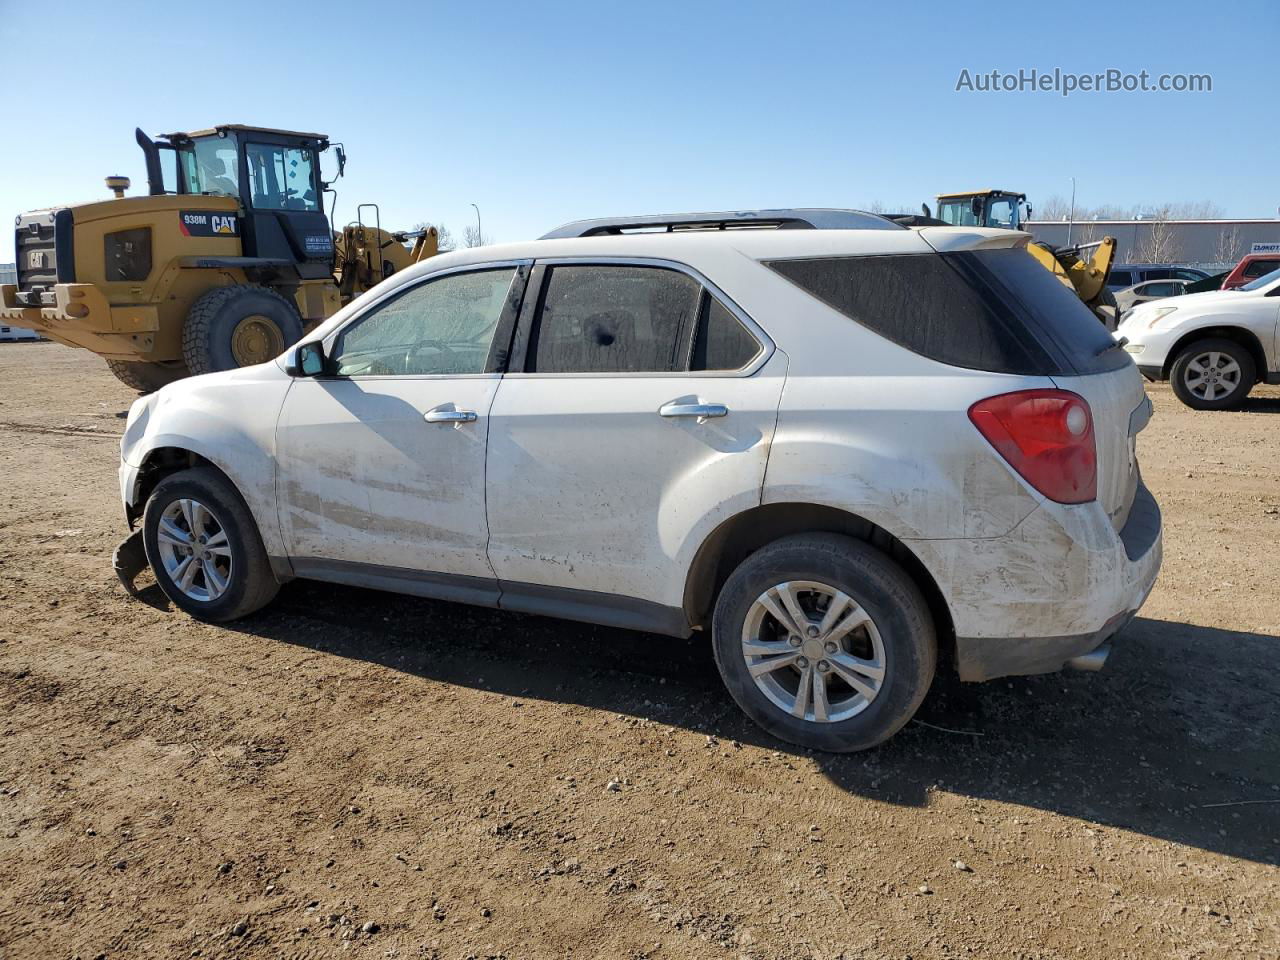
199,223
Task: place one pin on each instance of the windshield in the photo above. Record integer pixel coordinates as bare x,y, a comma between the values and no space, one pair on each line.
209,166
1263,281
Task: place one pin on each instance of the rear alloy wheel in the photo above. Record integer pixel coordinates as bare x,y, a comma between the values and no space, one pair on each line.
824,641
813,651
1213,374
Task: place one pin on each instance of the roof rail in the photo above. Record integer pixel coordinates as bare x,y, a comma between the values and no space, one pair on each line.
792,219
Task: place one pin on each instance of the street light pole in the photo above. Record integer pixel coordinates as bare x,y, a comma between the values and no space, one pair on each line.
1071,217
479,235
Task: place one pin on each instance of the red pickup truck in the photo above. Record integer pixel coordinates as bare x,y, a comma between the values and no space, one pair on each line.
1251,267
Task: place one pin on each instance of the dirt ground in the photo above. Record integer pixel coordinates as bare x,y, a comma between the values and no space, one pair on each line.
351,771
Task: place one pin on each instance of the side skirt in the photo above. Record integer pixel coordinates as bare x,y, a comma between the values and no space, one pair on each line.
587,606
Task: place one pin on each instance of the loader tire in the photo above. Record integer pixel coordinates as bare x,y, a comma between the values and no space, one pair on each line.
147,377
238,326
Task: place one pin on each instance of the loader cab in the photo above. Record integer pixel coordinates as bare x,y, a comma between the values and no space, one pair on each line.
985,208
275,174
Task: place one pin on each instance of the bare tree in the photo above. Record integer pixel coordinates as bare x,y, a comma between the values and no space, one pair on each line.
444,236
1087,231
1161,243
1054,208
1229,248
471,237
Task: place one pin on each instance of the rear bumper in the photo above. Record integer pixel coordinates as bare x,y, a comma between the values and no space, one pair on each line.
80,316
1056,588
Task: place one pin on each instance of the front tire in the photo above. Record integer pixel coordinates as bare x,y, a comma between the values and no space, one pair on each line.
1213,374
230,327
824,642
204,547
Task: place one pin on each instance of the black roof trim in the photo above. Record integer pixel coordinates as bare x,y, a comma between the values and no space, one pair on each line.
812,218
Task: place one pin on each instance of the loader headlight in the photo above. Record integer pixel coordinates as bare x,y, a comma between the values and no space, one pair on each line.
1159,314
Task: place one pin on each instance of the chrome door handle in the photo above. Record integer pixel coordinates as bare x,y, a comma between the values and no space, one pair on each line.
703,411
439,415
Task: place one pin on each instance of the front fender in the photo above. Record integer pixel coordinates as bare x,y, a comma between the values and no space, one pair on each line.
227,419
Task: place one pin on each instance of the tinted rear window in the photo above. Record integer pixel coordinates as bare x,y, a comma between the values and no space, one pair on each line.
996,310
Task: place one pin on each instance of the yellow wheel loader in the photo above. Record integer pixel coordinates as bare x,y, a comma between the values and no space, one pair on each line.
1083,267
225,262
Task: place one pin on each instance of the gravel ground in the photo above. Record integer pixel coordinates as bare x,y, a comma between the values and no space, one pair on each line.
354,771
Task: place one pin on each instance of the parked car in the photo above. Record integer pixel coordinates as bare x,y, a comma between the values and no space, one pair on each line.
17,333
1130,297
1208,284
841,453
1212,347
1124,275
1250,268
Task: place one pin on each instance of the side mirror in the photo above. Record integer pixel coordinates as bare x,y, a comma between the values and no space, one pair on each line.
342,159
307,360
976,205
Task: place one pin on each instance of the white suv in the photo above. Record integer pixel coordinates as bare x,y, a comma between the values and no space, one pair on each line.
1213,347
840,447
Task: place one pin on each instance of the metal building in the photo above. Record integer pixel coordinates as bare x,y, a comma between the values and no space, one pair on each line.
1201,242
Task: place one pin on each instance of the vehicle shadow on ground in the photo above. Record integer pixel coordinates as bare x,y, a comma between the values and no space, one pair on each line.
1167,741
1260,405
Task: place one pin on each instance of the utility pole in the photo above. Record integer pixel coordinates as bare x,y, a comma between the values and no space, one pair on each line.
1071,217
479,235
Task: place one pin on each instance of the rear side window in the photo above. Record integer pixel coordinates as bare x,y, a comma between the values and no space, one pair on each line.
1119,278
997,310
614,319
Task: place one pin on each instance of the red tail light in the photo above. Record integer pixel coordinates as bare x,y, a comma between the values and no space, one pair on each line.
1047,436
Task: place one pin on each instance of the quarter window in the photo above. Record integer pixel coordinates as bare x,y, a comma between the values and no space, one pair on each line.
614,319
445,326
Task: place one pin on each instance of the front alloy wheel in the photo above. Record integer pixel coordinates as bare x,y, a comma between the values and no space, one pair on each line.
195,550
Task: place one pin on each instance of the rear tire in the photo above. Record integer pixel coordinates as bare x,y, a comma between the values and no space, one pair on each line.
147,377
765,665
1213,374
197,517
230,327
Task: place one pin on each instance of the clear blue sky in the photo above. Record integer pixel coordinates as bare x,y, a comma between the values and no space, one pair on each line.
546,112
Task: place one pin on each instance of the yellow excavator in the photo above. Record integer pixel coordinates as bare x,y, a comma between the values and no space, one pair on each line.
1083,267
226,261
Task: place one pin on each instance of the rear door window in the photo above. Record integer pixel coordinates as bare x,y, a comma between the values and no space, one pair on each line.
996,310
1119,278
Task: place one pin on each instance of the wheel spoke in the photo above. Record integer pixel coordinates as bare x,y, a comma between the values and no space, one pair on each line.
776,663
186,573
821,706
169,532
1196,367
201,515
779,612
1209,389
839,603
765,648
803,691
855,618
856,672
188,514
787,591
214,580
1214,359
